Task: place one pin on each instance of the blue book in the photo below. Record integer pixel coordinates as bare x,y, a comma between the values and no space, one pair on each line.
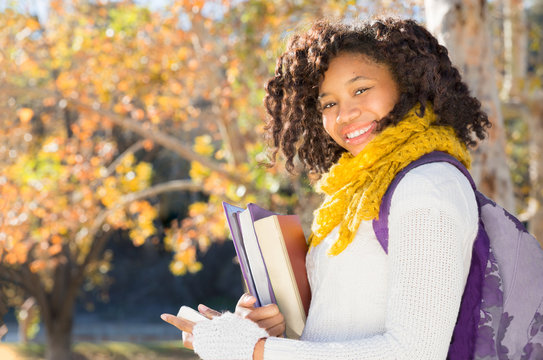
253,268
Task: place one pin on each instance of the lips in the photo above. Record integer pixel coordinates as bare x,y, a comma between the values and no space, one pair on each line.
356,134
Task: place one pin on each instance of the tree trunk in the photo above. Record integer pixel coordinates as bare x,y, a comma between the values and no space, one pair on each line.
461,25
516,91
57,308
515,43
58,332
27,314
535,222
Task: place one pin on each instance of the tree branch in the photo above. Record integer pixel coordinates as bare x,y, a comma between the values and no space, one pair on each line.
131,150
11,277
34,286
175,185
145,132
98,245
163,139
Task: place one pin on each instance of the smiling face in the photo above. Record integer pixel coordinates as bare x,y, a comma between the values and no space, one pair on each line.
356,93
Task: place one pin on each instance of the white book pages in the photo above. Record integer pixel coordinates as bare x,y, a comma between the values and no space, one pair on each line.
254,256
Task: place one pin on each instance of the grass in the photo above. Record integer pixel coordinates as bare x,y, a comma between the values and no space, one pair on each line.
168,350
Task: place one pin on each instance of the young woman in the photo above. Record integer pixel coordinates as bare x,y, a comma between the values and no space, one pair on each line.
358,103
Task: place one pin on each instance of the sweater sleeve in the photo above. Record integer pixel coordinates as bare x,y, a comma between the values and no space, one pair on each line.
432,226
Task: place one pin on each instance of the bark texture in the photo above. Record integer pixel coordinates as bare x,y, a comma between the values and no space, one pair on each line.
515,44
528,103
59,338
535,123
461,25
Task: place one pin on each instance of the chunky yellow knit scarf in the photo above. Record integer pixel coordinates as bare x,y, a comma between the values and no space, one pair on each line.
355,185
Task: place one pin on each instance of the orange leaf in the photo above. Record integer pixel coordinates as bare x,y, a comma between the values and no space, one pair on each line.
37,265
193,64
138,114
25,114
148,145
55,239
10,258
20,251
49,101
32,24
95,161
55,249
176,88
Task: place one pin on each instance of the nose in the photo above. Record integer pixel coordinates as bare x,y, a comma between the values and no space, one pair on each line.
347,114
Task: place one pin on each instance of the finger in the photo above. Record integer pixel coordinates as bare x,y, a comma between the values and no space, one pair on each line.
180,323
243,311
188,338
208,312
247,301
272,322
263,312
277,330
245,305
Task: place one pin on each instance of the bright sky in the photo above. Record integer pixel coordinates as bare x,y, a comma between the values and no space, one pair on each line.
41,7
211,9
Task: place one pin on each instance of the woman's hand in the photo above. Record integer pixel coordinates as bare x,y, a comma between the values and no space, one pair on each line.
266,320
267,317
184,325
224,337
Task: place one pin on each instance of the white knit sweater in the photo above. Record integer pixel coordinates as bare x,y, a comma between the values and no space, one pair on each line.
369,305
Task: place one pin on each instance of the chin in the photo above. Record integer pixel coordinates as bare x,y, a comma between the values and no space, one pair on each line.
357,150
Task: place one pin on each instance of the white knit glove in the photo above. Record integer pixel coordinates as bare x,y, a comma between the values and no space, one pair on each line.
226,337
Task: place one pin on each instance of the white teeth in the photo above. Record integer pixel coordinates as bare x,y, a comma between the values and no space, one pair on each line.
356,133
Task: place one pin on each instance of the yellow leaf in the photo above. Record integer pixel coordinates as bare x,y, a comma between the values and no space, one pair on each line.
195,267
198,171
137,237
144,171
197,208
202,145
178,268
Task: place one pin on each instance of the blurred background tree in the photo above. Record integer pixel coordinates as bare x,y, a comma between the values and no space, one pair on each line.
95,96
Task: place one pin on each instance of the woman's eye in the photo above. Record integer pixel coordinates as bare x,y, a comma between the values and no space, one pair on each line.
328,105
361,91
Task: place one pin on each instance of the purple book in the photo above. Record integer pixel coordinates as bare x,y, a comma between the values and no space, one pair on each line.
240,222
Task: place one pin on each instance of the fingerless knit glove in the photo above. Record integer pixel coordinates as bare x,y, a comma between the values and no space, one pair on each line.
226,337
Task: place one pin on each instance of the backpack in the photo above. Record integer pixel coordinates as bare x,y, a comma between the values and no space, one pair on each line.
501,311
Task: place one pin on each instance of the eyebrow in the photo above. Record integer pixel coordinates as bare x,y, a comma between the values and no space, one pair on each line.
350,81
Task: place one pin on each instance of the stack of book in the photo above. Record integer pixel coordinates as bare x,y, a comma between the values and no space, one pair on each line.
271,249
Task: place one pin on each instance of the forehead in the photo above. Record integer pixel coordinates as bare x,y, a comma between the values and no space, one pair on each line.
344,57
347,66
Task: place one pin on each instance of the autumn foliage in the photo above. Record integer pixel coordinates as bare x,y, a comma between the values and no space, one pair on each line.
87,92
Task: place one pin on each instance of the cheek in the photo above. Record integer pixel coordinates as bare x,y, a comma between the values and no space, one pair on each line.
391,104
387,103
328,123
394,97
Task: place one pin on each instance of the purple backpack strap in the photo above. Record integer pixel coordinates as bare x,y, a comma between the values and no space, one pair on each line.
380,225
465,331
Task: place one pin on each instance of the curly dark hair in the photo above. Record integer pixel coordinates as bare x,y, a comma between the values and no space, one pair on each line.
419,65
